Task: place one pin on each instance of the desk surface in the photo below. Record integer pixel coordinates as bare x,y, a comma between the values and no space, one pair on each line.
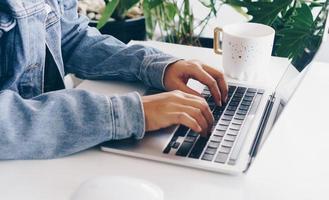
293,163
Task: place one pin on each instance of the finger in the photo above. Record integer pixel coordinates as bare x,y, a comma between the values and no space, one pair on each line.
197,102
220,78
200,103
197,115
186,120
201,75
184,88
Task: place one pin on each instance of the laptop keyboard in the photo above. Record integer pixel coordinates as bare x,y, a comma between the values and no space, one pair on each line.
219,146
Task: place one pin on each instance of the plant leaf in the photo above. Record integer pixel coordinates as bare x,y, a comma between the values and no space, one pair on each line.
171,11
296,34
262,11
153,3
109,9
122,8
150,22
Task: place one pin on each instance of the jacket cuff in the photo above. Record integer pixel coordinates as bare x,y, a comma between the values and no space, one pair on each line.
127,116
155,67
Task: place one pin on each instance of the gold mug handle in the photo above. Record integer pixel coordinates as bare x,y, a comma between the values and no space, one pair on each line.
217,48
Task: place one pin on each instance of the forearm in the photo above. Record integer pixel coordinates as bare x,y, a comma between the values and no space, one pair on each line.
91,55
65,122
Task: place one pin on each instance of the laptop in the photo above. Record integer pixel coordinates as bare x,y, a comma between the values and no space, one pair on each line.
240,129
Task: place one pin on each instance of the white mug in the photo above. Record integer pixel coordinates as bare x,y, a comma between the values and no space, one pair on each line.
246,47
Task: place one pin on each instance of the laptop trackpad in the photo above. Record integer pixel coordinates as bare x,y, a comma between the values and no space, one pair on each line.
152,143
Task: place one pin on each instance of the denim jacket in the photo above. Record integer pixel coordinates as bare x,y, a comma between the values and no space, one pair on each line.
35,124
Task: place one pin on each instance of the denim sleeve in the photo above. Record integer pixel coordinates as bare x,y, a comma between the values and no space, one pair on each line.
64,122
91,55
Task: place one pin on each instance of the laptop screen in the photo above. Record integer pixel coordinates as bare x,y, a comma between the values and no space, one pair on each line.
295,72
292,77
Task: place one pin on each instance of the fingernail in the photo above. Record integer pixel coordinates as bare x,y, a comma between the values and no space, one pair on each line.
199,129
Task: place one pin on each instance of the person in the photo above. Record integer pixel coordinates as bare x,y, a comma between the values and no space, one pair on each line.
43,40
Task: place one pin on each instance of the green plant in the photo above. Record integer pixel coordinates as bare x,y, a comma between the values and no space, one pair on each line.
116,9
175,20
299,25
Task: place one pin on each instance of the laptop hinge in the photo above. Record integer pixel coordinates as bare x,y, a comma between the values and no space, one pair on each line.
260,131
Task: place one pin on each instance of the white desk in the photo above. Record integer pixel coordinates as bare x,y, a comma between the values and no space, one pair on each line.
292,165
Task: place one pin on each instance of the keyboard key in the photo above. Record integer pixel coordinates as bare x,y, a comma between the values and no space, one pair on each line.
224,122
239,117
223,149
231,89
221,158
246,103
181,131
221,128
210,100
238,95
237,122
252,90
230,113
241,89
242,107
192,134
214,145
218,110
217,115
242,112
216,138
235,126
219,133
212,106
222,108
232,108
234,103
232,132
175,145
230,138
208,157
190,139
168,147
198,147
227,143
211,151
227,117
248,94
184,149
247,98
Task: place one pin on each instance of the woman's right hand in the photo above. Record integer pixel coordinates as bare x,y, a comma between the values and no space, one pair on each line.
176,107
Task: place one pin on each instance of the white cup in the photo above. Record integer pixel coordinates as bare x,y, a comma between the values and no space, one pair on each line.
246,48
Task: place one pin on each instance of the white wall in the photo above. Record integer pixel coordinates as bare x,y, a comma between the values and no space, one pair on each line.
226,15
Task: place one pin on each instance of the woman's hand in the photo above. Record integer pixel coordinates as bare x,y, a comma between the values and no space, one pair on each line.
176,107
184,105
178,74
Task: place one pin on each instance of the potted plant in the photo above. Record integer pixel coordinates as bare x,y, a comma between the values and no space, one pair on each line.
299,24
177,23
165,14
121,19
